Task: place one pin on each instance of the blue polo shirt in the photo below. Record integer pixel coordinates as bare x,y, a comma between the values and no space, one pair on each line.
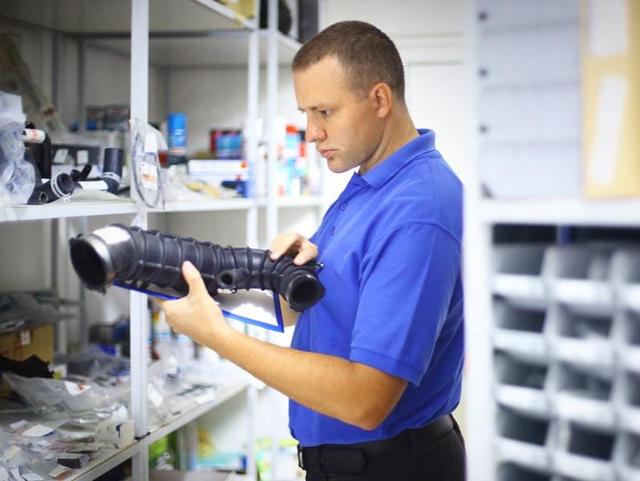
391,249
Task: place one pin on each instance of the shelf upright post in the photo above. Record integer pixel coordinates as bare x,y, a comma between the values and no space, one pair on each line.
272,114
82,98
479,408
138,309
55,223
253,83
272,124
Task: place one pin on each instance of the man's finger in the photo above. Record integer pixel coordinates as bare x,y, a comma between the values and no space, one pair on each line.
305,256
283,243
193,279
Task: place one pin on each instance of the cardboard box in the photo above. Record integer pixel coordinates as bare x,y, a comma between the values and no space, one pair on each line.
611,98
246,9
24,343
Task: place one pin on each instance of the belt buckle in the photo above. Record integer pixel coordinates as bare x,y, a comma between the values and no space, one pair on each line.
300,458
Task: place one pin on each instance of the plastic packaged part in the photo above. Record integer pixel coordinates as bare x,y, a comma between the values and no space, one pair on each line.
145,164
94,364
82,402
148,259
17,177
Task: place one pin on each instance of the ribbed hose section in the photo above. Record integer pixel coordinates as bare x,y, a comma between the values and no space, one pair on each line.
149,259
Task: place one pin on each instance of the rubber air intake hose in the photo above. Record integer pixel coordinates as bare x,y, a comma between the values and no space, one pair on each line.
148,259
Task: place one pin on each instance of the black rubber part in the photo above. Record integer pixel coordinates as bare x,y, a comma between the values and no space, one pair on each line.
148,259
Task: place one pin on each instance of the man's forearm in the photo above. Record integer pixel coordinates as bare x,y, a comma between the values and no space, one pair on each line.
330,385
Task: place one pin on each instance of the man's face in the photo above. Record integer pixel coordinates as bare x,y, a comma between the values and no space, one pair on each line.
344,126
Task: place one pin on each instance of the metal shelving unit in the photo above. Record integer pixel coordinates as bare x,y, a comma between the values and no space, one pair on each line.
192,25
169,34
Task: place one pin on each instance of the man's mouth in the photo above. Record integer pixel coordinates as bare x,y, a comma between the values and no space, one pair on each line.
327,153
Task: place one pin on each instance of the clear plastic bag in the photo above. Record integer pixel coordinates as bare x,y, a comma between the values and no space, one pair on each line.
83,402
17,176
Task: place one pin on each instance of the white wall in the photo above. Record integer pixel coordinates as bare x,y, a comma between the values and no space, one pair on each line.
217,98
107,73
430,36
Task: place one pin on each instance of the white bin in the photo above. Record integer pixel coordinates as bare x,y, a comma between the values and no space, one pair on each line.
520,331
518,274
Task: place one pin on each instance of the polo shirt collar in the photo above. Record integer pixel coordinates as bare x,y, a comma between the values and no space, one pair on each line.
385,170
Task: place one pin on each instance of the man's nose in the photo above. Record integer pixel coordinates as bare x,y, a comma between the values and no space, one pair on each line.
314,133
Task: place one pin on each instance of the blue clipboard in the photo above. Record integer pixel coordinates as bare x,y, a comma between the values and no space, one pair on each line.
279,327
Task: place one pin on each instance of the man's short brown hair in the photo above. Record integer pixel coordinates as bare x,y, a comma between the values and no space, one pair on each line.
367,54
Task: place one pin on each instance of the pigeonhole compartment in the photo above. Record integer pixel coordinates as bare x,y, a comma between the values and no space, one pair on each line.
523,439
583,395
520,385
519,331
579,339
513,472
518,274
579,278
584,453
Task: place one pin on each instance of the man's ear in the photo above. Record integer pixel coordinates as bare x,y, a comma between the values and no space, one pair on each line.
382,98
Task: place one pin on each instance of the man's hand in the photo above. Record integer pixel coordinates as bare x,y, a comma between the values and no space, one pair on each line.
299,247
302,250
197,315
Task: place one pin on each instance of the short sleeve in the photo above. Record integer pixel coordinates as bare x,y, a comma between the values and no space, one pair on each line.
407,280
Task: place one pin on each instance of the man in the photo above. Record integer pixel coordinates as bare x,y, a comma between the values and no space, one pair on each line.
375,367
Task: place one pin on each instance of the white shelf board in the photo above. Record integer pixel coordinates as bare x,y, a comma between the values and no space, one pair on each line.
598,414
583,467
524,454
623,213
530,346
213,50
222,395
108,460
312,201
528,400
61,209
206,205
114,16
597,353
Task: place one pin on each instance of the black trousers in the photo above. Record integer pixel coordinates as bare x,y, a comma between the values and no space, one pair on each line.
434,452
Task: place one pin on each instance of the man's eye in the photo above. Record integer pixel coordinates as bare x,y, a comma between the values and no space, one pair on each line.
324,113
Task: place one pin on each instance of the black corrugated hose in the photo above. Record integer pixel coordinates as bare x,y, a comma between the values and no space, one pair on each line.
150,260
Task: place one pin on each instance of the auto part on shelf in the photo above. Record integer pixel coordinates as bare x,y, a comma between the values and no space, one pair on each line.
59,187
111,173
147,259
112,169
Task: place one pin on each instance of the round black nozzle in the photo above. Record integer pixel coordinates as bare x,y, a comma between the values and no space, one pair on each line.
91,263
304,291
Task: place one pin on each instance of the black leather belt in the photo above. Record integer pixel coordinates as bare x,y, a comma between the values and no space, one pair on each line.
351,458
